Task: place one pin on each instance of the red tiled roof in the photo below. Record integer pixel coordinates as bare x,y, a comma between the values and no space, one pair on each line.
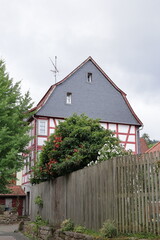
154,148
143,145
15,191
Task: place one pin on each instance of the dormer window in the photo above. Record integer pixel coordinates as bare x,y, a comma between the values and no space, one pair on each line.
89,77
69,98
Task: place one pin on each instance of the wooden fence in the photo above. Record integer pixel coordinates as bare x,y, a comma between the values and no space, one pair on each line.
124,189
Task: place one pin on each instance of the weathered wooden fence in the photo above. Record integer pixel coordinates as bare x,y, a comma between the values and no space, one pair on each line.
124,189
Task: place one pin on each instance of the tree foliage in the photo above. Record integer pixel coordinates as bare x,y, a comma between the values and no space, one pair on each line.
149,142
75,143
13,129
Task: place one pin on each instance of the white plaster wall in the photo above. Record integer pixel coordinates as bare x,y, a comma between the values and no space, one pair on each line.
112,127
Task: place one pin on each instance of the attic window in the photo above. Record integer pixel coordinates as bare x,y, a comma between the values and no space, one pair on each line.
69,98
89,77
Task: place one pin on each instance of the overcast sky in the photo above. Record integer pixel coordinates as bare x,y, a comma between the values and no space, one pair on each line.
122,36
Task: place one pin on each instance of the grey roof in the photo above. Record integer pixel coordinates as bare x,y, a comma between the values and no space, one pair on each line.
99,99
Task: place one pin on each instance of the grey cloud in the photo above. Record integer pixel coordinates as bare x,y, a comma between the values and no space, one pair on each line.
122,36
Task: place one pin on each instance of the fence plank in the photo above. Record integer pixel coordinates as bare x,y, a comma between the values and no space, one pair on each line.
156,193
118,197
149,193
139,193
153,192
130,210
158,170
142,192
146,195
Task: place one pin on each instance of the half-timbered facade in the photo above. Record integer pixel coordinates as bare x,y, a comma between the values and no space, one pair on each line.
89,90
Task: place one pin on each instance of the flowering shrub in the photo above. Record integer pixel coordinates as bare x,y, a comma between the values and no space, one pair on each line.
75,143
111,148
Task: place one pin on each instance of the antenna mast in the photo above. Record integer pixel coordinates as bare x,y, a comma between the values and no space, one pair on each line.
55,71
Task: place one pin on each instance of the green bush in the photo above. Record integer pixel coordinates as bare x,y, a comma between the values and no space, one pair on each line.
39,221
75,143
67,225
109,229
80,229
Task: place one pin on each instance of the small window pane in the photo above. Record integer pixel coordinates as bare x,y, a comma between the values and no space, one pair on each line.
89,77
69,98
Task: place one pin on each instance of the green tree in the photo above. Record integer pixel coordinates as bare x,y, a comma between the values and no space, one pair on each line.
149,142
147,138
75,143
13,129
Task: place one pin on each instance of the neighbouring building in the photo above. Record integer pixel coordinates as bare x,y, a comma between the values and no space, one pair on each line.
87,89
143,145
154,148
14,200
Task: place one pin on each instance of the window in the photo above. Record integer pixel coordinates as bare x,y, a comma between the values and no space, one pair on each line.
89,77
42,127
8,203
69,98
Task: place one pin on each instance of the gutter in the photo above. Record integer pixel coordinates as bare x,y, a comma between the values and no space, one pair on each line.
138,139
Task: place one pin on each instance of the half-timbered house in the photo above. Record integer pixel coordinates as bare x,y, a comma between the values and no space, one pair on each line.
89,90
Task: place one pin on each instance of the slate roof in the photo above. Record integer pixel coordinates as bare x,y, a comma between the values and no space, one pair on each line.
101,99
16,190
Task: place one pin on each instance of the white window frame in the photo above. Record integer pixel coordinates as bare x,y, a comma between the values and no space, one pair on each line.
42,127
69,98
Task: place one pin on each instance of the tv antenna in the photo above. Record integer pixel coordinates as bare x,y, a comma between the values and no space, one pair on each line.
55,71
